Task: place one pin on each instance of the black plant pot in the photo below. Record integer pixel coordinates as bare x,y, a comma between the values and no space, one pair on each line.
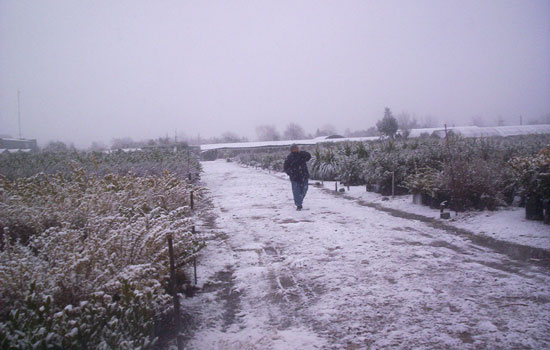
385,190
534,209
435,203
426,199
400,190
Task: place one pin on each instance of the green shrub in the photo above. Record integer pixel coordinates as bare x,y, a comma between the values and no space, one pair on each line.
100,321
533,174
79,236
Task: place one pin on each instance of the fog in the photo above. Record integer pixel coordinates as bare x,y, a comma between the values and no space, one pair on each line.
97,70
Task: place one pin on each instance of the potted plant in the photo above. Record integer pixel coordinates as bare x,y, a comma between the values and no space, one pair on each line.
533,177
424,185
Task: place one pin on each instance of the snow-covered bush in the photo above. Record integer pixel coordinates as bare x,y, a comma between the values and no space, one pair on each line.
389,161
100,322
351,170
65,239
424,181
477,184
483,176
265,160
143,162
325,165
533,174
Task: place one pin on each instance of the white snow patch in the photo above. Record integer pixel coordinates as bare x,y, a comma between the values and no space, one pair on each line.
339,275
258,339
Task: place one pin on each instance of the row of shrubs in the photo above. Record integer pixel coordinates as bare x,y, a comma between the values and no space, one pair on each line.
183,162
84,257
468,173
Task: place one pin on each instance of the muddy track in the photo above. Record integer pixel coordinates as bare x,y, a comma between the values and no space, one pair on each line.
348,274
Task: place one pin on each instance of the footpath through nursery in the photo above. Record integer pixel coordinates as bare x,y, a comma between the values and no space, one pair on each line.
340,275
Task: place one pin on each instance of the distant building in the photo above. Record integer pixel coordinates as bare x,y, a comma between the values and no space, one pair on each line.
489,131
18,145
464,131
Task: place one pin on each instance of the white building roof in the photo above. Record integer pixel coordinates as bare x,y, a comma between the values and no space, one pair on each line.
476,131
466,131
15,150
283,143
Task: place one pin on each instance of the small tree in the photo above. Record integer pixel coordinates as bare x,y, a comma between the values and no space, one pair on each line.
267,133
97,147
326,130
294,132
56,147
125,142
388,125
230,137
406,123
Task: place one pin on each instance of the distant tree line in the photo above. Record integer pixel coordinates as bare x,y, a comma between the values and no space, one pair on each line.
387,126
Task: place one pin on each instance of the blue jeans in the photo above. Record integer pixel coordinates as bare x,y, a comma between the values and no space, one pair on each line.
299,190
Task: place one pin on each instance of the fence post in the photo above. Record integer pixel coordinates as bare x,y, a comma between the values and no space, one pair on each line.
195,268
336,186
188,165
192,201
174,284
393,184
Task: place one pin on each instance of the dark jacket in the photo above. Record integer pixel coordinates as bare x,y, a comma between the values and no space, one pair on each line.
296,167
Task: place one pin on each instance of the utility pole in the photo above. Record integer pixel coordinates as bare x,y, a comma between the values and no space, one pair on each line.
520,120
19,111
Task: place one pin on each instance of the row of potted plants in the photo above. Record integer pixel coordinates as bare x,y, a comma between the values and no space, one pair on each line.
483,173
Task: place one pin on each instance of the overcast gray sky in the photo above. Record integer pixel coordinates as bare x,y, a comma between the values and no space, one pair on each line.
97,70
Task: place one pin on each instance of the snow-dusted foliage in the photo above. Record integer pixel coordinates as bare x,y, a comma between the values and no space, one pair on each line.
533,174
425,181
465,172
100,322
324,164
84,258
269,160
140,162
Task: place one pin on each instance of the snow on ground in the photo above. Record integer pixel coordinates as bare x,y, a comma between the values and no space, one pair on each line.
340,275
506,224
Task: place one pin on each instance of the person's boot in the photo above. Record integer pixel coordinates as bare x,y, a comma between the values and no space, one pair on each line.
299,207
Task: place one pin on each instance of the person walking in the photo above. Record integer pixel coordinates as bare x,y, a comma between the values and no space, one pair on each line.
296,168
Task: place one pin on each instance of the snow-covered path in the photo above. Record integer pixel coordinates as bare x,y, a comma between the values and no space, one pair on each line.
343,276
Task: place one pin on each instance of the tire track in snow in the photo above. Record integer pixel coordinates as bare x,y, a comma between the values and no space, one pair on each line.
345,276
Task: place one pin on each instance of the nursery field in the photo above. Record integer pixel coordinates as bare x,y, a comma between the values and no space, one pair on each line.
84,259
462,173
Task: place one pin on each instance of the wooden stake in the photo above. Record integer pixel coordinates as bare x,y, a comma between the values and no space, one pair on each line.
174,284
195,268
393,184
